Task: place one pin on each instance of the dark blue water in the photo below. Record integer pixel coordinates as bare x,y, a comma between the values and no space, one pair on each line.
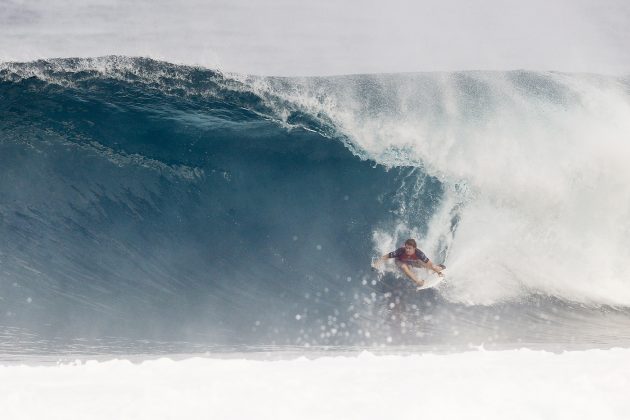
163,202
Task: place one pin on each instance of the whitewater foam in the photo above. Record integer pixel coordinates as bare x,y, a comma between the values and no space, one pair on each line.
533,164
521,384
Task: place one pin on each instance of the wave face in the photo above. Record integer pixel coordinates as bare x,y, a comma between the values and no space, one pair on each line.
150,200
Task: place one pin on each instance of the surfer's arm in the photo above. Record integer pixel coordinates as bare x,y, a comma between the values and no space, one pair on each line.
382,259
429,264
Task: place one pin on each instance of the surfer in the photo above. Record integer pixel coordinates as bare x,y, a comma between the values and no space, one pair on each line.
410,256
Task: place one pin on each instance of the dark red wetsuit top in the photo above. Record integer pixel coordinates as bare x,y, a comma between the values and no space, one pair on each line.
401,255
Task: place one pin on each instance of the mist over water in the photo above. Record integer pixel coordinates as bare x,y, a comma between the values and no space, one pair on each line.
284,38
144,200
533,167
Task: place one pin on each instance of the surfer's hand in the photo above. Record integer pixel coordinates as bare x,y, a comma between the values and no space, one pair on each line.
439,273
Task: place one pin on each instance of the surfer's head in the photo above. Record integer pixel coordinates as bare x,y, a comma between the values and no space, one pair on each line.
410,246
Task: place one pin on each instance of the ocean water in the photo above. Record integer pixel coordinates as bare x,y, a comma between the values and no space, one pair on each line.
145,200
150,209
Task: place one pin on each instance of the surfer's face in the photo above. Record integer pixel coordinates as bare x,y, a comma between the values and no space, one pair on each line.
409,250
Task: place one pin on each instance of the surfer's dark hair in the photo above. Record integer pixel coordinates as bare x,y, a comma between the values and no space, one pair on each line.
411,242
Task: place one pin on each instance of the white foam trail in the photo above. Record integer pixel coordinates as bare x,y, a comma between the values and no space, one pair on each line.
520,384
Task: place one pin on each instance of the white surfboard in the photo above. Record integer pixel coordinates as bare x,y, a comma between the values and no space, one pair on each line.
430,280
